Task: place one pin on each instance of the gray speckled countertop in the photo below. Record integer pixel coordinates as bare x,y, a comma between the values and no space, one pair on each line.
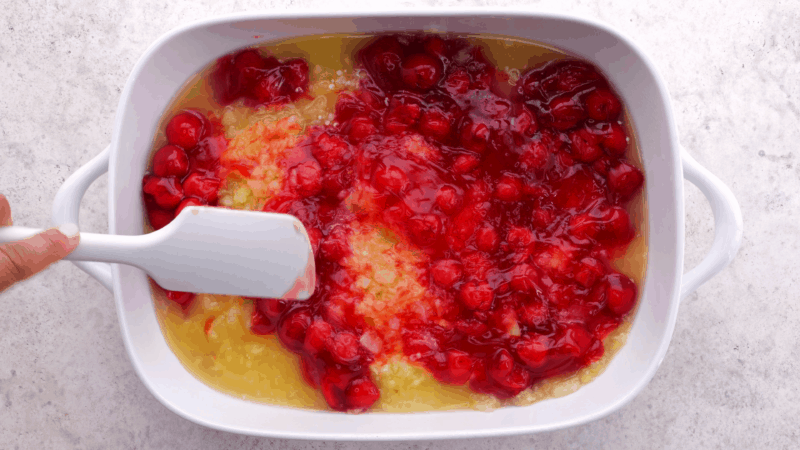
729,379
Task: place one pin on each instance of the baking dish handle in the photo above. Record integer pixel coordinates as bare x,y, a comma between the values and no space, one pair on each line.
727,224
66,208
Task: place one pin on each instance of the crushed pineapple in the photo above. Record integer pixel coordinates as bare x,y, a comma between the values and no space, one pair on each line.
391,279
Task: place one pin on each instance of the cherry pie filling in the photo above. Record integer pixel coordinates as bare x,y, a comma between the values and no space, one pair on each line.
461,220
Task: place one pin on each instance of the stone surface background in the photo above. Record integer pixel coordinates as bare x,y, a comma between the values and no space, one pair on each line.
729,380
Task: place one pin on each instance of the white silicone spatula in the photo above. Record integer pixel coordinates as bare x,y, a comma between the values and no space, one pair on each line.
210,250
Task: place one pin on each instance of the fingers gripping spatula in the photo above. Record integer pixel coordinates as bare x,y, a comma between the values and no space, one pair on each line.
210,250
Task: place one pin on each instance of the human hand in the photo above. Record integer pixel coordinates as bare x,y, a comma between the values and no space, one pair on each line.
22,259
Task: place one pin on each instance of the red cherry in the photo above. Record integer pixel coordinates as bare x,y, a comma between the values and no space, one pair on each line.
519,237
292,329
603,324
465,223
457,83
436,124
296,74
483,79
170,161
589,271
382,58
534,155
317,336
508,189
554,259
207,153
310,371
504,320
465,163
421,71
574,74
477,295
348,105
459,367
270,87
477,264
397,215
529,84
201,186
391,178
167,192
565,112
344,347
475,136
336,313
535,315
260,324
487,239
436,46
584,226
425,229
191,201
584,146
272,308
249,65
602,105
541,218
524,278
525,124
533,350
159,218
471,327
575,340
577,191
446,272
501,365
620,294
515,380
478,192
612,138
606,224
419,343
617,225
493,107
181,298
336,245
362,128
625,179
403,114
333,384
305,178
603,165
448,199
331,151
185,130
249,59
361,394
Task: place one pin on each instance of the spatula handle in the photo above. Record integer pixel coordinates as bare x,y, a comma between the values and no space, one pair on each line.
92,247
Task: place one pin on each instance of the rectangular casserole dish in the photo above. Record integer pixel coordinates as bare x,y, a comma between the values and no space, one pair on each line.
169,62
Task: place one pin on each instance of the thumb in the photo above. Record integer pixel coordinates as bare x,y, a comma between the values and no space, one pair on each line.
19,260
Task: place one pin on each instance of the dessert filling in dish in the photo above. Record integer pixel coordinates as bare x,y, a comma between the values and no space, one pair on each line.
474,204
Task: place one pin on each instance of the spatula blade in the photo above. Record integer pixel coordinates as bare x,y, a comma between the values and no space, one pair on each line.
232,252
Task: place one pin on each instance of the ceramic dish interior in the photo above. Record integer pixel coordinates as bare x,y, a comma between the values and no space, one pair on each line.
173,59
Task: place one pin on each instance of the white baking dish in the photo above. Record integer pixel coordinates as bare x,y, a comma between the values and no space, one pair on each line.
169,62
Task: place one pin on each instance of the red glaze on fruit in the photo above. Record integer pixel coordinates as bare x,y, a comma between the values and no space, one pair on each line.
259,79
515,200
